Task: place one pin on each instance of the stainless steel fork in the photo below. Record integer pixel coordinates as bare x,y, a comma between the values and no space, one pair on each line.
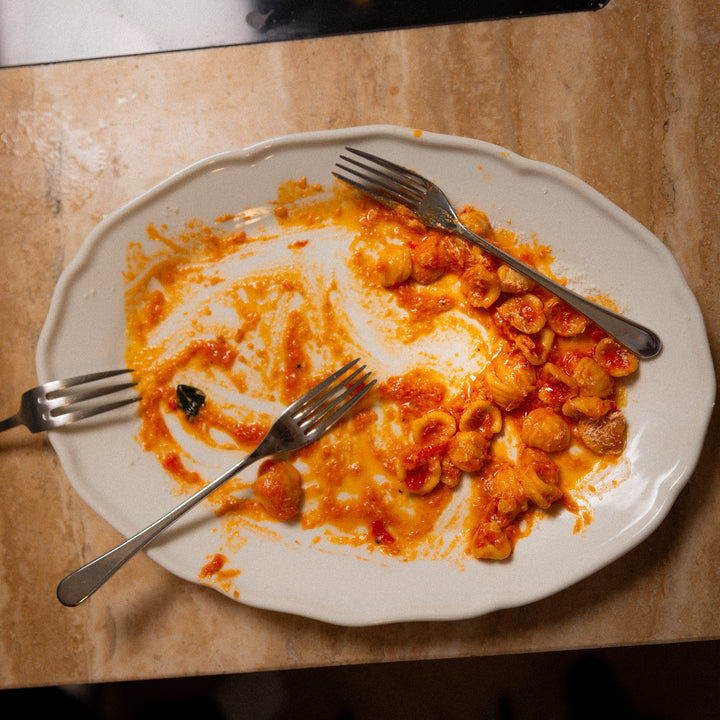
393,184
58,402
302,422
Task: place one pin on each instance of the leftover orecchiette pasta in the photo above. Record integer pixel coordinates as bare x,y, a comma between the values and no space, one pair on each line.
504,485
278,487
510,378
564,320
467,450
477,221
586,406
482,416
429,258
540,478
490,542
592,379
605,435
481,285
544,429
421,478
436,426
617,360
536,348
524,312
512,282
393,265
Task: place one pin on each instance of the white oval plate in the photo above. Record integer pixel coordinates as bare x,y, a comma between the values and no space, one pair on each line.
596,245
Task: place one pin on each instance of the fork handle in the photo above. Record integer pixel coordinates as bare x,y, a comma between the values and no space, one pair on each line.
637,338
81,584
11,422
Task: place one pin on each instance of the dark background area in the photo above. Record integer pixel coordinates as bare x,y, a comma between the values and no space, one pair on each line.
657,682
294,19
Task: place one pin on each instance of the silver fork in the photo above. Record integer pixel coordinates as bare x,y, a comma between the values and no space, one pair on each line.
393,184
56,403
301,423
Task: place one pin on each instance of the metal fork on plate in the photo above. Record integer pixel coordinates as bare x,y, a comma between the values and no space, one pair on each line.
302,422
393,184
60,402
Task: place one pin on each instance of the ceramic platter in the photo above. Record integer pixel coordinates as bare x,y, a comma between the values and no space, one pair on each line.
596,245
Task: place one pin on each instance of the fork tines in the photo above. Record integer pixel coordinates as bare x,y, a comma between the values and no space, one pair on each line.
63,396
53,387
393,182
332,399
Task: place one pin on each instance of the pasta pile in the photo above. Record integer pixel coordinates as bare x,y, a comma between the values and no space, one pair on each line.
551,381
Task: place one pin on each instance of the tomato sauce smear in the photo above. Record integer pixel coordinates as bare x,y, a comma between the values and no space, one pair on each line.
380,479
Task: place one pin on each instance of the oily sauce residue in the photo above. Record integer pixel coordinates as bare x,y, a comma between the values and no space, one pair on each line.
493,402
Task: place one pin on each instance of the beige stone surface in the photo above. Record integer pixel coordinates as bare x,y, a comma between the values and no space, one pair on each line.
626,98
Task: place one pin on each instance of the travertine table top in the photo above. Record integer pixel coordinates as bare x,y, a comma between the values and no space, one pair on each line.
626,98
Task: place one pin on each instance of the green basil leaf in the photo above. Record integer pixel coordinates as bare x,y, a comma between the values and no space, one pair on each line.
190,400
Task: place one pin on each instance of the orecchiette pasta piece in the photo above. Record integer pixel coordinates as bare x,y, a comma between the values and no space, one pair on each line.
554,373
513,282
540,478
614,358
278,488
509,380
555,386
563,319
536,348
606,435
468,450
505,484
426,265
434,427
422,478
393,265
553,395
524,312
430,259
477,221
450,473
483,416
591,379
481,285
490,542
545,430
586,406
